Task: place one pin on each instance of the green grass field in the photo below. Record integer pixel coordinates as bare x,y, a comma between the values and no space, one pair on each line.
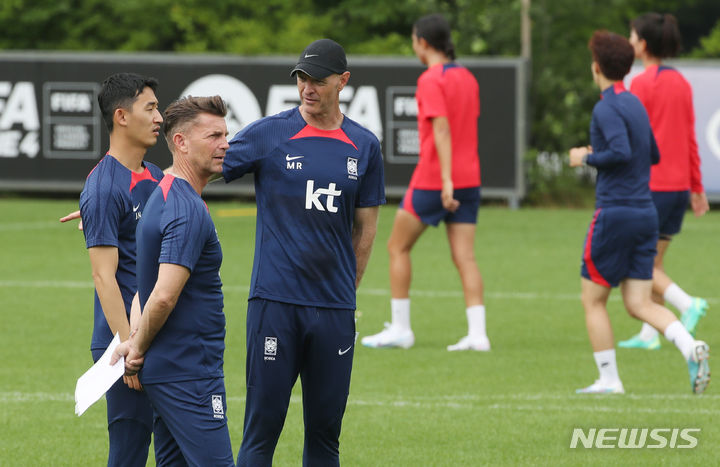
420,407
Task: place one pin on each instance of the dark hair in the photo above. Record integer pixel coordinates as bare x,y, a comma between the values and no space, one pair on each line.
436,31
613,53
120,91
660,32
184,110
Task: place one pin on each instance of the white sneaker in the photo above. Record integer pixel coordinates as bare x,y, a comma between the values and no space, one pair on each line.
602,388
699,367
481,344
391,336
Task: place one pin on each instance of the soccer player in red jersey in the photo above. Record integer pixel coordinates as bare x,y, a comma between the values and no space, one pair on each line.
444,187
667,97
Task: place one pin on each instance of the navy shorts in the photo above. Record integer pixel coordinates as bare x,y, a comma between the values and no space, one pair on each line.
671,207
620,244
191,423
427,206
285,341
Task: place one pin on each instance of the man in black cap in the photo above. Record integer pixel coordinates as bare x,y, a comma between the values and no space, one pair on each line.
321,74
318,186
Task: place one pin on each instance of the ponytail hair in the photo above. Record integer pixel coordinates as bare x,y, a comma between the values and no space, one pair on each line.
436,31
660,32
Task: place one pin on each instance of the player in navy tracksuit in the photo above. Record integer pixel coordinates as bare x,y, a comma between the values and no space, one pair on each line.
620,244
318,184
181,335
111,203
677,180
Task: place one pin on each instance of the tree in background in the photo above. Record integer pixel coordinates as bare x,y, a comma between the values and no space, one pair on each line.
560,93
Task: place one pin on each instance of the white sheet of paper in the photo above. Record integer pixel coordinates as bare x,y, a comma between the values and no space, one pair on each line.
98,379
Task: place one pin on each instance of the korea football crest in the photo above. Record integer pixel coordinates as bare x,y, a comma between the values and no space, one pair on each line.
271,345
217,406
352,168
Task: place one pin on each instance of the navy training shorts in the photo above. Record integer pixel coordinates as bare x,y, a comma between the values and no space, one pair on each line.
426,205
191,423
671,207
620,244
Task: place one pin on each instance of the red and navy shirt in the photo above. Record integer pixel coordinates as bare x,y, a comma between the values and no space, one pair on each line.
111,204
308,183
176,228
667,97
448,90
624,148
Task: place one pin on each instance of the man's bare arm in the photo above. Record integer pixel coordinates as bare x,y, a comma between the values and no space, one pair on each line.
363,235
104,262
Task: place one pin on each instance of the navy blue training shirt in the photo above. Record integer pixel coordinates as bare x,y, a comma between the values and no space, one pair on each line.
624,148
308,183
111,204
177,229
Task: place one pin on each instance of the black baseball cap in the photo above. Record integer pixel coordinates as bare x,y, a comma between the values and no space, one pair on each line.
321,59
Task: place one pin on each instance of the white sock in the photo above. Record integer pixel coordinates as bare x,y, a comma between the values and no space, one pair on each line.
400,313
677,297
476,321
648,332
607,367
678,335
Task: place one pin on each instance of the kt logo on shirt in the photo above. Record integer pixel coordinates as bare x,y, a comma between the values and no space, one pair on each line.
312,197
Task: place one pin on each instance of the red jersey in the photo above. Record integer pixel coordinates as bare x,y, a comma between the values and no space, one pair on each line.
448,90
667,97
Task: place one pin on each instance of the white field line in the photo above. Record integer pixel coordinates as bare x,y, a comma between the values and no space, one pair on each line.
46,284
361,291
594,409
459,294
502,402
22,226
12,397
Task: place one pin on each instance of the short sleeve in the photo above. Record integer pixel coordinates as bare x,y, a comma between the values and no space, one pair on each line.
101,210
372,187
246,148
184,234
431,97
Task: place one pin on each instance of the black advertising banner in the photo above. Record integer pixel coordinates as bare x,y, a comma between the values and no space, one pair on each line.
52,135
